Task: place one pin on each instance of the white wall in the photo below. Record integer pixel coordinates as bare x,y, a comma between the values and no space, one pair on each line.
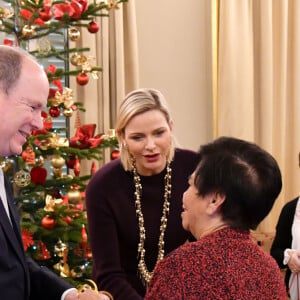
175,57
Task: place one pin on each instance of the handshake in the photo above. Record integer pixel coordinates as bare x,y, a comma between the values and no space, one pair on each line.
88,295
85,292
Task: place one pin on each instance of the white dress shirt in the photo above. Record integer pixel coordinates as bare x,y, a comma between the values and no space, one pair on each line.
3,193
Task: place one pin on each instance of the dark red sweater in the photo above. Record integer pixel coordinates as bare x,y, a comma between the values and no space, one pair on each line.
113,226
224,265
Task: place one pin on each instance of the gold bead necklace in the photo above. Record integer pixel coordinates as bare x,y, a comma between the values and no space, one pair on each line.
142,268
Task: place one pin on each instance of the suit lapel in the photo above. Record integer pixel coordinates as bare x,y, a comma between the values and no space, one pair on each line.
10,233
12,229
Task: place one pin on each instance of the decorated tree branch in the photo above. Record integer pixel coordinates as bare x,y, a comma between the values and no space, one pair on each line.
47,181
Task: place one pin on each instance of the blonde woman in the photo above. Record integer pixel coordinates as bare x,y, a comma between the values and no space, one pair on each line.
134,203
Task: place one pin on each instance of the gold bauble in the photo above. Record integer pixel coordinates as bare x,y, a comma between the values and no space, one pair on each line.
74,58
43,46
82,60
57,172
5,165
57,161
68,112
78,59
74,195
74,34
22,178
28,31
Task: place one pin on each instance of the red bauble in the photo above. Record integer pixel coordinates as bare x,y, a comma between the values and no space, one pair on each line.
38,175
77,167
48,123
67,219
93,168
93,27
82,79
54,112
115,154
48,222
70,161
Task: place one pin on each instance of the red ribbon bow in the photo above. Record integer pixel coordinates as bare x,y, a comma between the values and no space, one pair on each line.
73,8
85,138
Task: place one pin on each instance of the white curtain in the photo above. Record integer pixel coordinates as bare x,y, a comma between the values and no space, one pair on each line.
258,91
114,48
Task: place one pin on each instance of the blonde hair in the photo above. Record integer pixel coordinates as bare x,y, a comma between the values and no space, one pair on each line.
135,103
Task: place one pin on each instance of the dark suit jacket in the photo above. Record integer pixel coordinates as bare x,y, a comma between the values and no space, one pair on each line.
283,237
20,277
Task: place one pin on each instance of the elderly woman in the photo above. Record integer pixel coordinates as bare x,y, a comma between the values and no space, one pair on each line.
231,191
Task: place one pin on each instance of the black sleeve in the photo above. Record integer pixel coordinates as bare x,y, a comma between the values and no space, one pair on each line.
44,284
283,237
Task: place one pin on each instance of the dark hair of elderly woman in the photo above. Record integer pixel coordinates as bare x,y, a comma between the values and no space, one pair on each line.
248,176
231,191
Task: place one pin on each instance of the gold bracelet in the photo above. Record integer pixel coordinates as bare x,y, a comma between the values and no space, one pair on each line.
109,295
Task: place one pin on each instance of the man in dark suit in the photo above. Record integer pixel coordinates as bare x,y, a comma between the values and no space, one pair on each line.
23,95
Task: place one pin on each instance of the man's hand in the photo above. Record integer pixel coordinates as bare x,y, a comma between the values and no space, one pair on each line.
92,295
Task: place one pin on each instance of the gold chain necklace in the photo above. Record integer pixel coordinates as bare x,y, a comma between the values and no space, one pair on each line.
143,270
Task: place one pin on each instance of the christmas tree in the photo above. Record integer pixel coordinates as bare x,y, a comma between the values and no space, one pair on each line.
48,186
